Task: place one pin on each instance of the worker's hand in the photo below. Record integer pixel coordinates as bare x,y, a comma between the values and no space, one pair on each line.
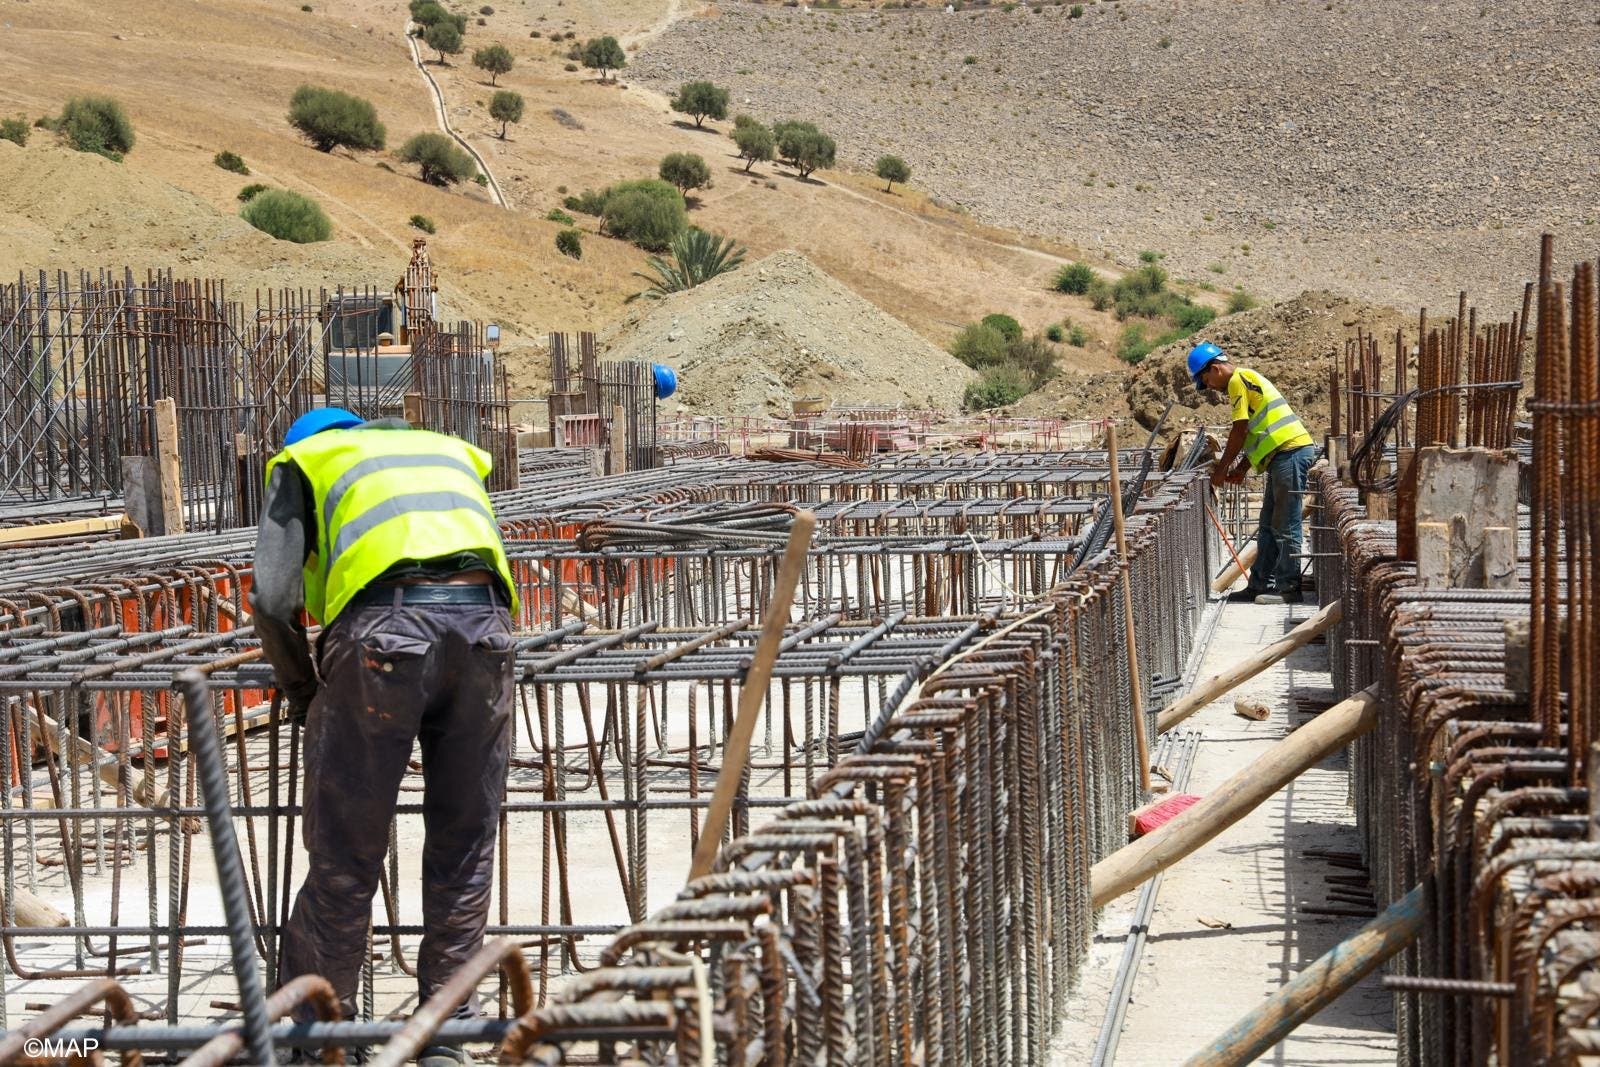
1218,476
299,705
1236,476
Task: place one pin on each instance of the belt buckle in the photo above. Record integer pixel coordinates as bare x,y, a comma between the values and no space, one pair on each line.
436,594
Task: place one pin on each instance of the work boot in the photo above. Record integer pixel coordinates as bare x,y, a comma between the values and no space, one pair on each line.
1244,596
442,1056
1294,596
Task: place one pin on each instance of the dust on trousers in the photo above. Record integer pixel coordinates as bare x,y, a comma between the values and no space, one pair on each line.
441,674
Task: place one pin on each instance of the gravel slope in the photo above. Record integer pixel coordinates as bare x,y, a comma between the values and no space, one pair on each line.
750,342
1395,150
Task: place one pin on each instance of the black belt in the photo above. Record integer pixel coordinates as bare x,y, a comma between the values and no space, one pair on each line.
415,594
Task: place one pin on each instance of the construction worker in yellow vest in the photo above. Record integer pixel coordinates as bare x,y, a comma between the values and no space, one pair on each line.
1268,438
385,535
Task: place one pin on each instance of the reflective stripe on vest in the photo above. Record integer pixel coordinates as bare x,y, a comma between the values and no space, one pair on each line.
383,497
1274,426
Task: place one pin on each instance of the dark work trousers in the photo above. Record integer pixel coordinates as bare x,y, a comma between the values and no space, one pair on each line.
1279,535
441,674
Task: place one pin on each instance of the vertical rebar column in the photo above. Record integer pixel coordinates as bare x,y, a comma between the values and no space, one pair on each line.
230,868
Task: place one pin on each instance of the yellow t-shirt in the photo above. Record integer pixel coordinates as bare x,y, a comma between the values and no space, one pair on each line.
1272,424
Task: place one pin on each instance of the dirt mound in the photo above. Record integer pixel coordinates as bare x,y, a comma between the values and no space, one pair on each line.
753,341
1293,343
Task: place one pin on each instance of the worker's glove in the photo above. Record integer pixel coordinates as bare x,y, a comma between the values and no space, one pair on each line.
299,705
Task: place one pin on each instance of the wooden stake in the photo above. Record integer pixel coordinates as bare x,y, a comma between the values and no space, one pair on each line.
1244,670
167,460
1234,571
736,749
48,531
1132,864
1139,738
35,911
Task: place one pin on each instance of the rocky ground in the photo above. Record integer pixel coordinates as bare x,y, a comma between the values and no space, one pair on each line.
1396,151
751,342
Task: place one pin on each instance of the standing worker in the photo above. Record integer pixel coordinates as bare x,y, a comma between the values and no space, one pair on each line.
385,535
1267,436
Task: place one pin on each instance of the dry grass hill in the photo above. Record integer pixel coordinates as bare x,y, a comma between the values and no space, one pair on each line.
199,77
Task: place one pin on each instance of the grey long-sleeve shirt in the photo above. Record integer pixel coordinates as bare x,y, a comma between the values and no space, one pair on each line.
284,539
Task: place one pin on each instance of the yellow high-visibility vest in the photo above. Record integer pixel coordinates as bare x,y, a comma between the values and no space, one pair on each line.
1270,423
386,496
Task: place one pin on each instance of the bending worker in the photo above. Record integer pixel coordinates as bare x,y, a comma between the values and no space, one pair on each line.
386,536
1267,436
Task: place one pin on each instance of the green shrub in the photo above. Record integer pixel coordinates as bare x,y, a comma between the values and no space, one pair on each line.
995,387
97,124
47,122
444,38
1008,327
570,243
755,142
649,213
230,161
1191,317
605,55
14,130
1074,278
1077,11
429,13
802,146
685,170
424,223
1099,294
740,121
442,162
505,107
1241,301
979,346
1078,337
496,60
1054,332
481,178
331,119
1034,358
288,216
892,169
701,100
587,202
1148,256
555,214
252,190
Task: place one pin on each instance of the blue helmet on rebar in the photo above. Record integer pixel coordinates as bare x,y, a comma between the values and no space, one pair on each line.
318,419
1202,356
666,380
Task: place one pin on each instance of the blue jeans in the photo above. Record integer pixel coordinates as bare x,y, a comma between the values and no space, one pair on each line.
1278,538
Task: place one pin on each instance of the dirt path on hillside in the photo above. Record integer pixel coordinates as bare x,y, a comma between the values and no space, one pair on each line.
444,120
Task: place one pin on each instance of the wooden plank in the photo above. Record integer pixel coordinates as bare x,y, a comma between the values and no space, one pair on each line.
752,693
167,462
1330,731
50,531
1317,986
1243,670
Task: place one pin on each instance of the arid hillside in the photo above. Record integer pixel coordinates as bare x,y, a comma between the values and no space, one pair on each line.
197,78
1393,151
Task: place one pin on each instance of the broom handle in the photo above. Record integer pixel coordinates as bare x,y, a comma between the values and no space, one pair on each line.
1226,540
1127,614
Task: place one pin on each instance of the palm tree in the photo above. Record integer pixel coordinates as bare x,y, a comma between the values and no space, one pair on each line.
697,257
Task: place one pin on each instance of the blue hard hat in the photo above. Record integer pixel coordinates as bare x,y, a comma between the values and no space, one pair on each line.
666,380
1202,356
318,419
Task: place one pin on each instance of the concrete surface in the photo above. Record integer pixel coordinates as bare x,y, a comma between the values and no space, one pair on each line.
1228,930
